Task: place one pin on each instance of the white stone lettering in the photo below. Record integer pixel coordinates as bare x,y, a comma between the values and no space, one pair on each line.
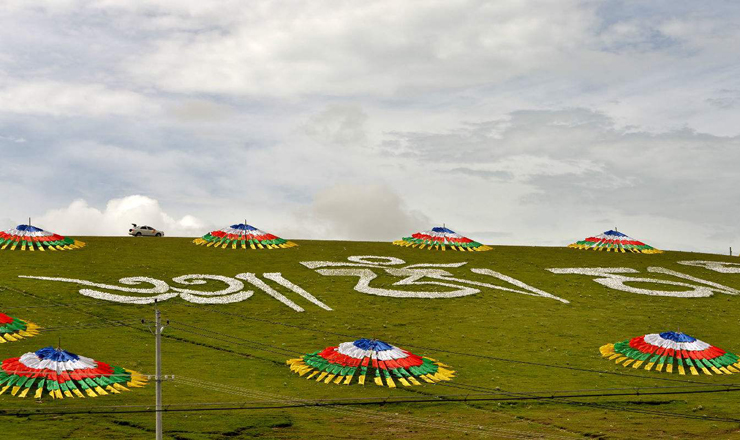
278,278
717,266
364,267
161,291
612,278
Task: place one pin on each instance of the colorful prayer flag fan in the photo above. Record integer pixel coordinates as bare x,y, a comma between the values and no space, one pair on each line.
664,350
615,241
243,235
27,236
441,238
370,356
64,374
13,329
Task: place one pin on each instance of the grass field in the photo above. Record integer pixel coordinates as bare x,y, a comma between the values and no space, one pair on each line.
243,362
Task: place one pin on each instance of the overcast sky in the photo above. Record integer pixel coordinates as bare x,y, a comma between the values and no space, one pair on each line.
514,122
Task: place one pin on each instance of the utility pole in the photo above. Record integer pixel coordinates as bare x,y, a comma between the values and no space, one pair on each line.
158,379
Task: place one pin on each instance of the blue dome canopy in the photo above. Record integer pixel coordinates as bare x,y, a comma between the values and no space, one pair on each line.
677,336
372,344
56,354
443,230
28,228
614,233
244,227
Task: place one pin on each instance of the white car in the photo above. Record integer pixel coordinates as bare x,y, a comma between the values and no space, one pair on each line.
145,231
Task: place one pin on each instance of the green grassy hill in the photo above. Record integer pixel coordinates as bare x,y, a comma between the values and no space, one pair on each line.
233,355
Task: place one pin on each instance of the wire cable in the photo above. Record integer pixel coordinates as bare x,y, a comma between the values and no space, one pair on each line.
440,350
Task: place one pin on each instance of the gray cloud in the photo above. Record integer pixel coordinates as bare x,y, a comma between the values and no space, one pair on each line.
359,212
198,110
339,124
588,165
725,99
498,175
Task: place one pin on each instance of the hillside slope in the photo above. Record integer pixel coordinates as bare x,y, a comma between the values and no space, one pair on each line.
543,337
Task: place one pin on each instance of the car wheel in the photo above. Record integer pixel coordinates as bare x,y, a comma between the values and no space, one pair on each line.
158,235
138,234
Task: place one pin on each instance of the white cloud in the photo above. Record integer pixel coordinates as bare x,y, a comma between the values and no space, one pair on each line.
79,218
325,47
69,99
6,223
13,139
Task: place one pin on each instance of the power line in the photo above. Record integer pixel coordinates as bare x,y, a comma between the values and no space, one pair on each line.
612,407
571,391
448,398
376,414
90,325
525,397
176,324
222,349
54,303
251,344
232,339
283,351
415,346
225,340
32,307
440,350
688,383
386,401
252,318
